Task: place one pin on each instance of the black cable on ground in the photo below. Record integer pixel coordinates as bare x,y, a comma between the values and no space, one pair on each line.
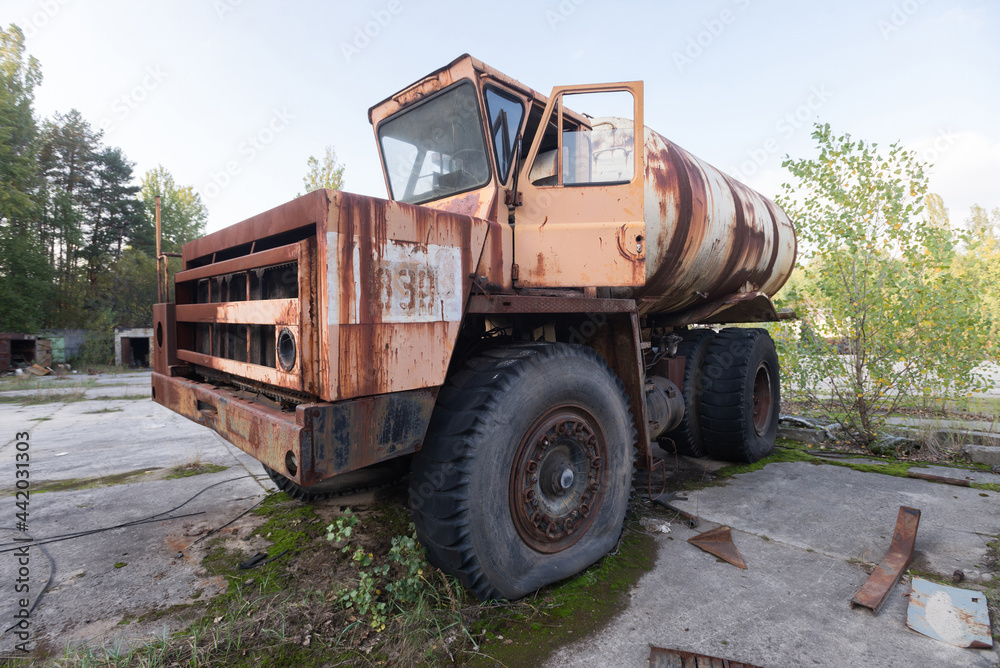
218,529
48,583
80,534
6,547
152,518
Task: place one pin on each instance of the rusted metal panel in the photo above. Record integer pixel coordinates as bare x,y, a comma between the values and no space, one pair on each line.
397,280
875,590
290,380
495,266
314,378
955,616
719,541
266,434
262,312
675,658
349,435
301,212
752,306
272,256
537,304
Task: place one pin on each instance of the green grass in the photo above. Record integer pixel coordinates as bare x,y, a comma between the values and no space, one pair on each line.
50,397
194,468
45,383
567,611
793,451
73,484
104,410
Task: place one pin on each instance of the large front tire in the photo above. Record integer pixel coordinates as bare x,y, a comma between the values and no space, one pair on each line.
526,472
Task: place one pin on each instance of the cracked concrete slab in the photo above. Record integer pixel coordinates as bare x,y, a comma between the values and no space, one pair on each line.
92,599
802,529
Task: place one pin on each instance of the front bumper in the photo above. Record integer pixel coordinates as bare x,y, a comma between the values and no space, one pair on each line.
316,441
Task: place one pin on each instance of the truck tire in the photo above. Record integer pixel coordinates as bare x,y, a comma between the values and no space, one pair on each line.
740,395
526,471
687,435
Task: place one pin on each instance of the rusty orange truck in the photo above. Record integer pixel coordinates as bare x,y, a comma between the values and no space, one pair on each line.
516,326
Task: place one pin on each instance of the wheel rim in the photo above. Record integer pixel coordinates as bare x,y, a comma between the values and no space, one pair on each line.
557,482
763,401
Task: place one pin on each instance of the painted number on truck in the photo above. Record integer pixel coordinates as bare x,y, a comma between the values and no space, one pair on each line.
418,283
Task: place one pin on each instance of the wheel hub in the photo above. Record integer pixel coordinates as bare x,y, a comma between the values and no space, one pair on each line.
763,402
557,482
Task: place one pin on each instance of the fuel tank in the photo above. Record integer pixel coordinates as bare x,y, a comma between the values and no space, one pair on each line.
708,236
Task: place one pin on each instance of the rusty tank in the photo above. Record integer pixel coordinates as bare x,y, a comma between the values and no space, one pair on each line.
536,303
709,237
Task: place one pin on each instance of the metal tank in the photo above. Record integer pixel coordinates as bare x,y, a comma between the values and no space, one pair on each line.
712,242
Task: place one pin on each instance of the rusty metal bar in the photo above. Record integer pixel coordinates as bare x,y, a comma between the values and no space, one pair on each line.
961,482
272,256
160,282
244,369
876,589
534,304
260,312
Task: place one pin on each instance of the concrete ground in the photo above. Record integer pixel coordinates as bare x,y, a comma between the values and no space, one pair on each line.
804,531
105,580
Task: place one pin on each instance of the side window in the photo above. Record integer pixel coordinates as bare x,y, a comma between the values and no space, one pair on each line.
505,113
596,145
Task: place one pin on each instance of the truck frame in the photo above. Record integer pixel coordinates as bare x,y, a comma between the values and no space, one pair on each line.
516,326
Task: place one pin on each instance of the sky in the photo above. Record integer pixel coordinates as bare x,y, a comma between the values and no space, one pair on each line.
233,96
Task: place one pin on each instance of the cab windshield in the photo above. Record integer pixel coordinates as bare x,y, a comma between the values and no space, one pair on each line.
435,149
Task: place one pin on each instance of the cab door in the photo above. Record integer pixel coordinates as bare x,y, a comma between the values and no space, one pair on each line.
581,223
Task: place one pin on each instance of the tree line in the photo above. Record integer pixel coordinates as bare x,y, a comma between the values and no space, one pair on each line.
77,231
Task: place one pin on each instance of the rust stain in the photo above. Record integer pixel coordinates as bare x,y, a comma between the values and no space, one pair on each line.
467,205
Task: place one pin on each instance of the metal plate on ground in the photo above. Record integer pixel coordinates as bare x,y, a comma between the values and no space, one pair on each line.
675,658
719,541
956,616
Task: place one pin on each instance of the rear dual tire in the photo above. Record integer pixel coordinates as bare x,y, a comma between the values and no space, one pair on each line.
740,396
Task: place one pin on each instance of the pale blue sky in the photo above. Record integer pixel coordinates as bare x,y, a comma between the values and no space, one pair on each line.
188,83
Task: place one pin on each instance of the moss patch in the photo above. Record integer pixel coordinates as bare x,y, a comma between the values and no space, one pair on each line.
992,487
66,397
567,611
290,524
793,451
188,470
72,484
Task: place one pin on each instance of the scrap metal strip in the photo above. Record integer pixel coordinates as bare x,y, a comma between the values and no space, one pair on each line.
876,589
